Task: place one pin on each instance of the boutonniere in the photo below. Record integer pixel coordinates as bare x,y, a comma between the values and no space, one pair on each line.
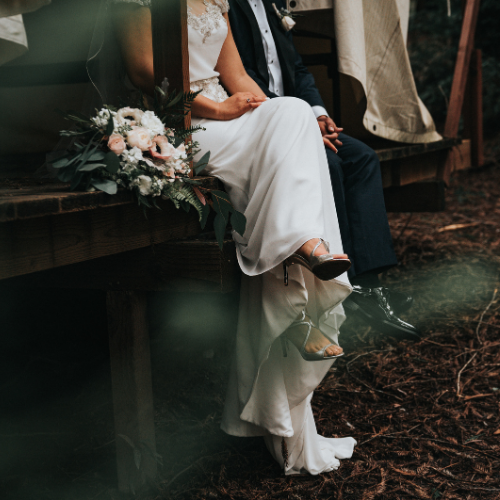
286,18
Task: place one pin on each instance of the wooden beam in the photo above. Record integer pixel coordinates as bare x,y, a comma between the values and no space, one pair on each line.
132,388
41,243
473,109
170,45
417,197
188,266
465,48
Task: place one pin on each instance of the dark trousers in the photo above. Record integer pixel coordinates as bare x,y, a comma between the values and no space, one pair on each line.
357,188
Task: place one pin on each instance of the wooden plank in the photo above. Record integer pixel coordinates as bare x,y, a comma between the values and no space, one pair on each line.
406,150
28,198
465,48
473,109
37,244
417,197
461,156
132,388
407,170
190,265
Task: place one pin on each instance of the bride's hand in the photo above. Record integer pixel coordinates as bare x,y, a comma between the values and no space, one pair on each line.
238,104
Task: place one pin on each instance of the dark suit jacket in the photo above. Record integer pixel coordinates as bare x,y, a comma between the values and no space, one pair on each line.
297,80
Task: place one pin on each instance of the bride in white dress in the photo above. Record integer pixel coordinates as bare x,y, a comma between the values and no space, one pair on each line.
271,158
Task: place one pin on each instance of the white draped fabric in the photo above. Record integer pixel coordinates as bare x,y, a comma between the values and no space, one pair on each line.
13,40
273,164
371,46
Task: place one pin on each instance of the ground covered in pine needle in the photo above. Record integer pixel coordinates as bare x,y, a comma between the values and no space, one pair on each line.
426,414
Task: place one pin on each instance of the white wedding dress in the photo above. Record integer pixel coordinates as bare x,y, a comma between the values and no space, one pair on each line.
273,164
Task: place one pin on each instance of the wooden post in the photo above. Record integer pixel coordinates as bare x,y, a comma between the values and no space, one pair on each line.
132,388
473,110
465,48
170,45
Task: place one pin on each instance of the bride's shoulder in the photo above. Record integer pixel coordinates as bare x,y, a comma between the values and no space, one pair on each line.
144,3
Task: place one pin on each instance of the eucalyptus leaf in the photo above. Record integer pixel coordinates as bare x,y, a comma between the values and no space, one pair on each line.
106,185
110,126
176,98
221,194
204,216
88,167
220,229
98,155
221,205
112,162
72,133
239,222
200,165
63,162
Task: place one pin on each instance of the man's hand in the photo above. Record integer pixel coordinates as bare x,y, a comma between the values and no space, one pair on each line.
330,132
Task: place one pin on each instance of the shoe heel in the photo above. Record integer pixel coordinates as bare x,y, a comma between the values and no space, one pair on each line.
285,272
284,345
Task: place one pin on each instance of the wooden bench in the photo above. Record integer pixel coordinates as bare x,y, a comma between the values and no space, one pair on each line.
53,238
412,173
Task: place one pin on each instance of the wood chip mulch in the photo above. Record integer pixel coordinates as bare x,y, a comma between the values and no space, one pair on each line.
425,414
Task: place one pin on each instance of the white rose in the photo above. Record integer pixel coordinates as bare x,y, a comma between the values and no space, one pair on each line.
152,123
122,116
132,156
180,166
143,182
287,22
139,137
102,118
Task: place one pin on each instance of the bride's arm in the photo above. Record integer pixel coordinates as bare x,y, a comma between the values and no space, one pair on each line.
132,25
232,72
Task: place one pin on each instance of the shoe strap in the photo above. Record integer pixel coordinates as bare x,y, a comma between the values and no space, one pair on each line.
321,240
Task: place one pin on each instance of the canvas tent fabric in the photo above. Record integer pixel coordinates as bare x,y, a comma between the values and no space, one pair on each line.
13,40
371,46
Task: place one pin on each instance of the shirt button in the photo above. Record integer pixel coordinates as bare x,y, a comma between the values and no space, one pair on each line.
272,62
266,31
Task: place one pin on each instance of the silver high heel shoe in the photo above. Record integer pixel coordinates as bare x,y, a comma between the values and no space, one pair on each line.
308,356
325,267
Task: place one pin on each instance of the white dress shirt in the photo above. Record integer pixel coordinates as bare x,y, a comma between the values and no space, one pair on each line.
271,52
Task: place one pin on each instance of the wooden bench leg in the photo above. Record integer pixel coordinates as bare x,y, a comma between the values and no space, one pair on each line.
132,388
473,110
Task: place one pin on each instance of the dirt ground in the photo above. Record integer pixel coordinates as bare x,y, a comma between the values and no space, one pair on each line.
425,414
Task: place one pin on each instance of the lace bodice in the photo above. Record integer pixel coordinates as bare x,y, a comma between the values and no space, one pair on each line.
207,32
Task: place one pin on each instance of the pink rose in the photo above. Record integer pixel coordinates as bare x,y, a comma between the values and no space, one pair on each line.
139,137
166,149
116,144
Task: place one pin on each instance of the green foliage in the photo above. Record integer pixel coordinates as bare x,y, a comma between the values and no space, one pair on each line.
433,44
89,164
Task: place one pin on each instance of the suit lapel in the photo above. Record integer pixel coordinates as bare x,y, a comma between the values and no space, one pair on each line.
260,56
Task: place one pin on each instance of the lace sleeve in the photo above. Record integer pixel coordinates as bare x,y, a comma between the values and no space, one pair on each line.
222,4
144,3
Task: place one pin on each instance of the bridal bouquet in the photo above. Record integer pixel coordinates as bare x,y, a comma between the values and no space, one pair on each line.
144,151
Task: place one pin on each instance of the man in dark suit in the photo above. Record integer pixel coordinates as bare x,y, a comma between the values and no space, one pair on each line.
270,58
